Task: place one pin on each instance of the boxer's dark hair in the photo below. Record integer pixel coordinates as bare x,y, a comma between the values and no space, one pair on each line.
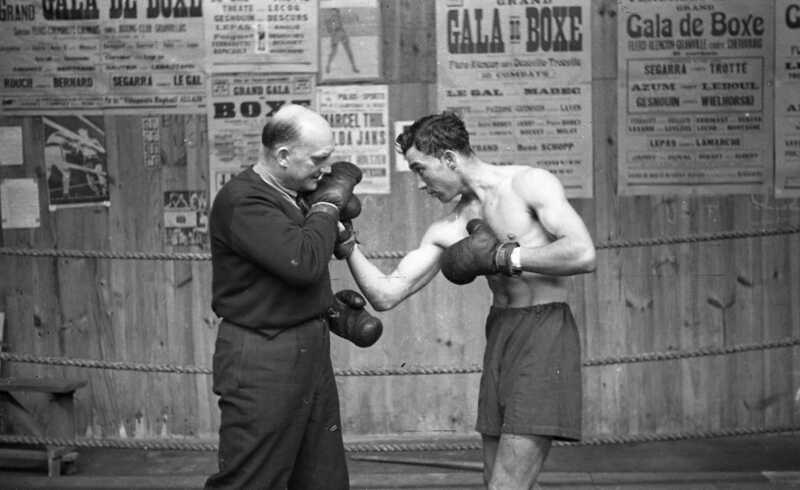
277,132
434,134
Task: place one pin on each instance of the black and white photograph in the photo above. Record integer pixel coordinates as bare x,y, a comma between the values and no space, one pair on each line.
400,244
75,160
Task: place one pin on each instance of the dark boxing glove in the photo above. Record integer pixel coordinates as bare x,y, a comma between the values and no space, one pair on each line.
347,237
348,319
479,254
345,242
351,209
336,187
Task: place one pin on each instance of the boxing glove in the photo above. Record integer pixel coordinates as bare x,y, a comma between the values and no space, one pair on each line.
336,187
348,319
479,254
345,241
351,209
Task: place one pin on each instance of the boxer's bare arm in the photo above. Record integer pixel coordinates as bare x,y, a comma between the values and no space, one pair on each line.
572,250
414,271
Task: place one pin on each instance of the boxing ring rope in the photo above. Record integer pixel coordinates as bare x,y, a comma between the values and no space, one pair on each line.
402,371
194,444
472,443
392,254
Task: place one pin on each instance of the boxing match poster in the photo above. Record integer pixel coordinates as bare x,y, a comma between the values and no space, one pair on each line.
50,57
119,56
349,40
239,104
359,117
519,74
696,99
787,97
185,218
75,161
257,36
153,56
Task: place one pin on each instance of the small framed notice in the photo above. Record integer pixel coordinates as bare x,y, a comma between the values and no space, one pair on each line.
19,203
10,145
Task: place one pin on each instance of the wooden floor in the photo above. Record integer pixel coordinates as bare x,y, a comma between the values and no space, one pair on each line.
732,463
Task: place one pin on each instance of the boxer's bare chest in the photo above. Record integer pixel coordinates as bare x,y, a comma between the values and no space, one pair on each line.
511,218
508,215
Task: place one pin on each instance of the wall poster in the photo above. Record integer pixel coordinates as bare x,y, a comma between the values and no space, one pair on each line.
349,40
519,74
185,218
19,204
239,106
359,117
695,96
75,161
122,56
787,99
261,36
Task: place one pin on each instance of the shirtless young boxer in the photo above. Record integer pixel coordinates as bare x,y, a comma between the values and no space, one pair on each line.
513,225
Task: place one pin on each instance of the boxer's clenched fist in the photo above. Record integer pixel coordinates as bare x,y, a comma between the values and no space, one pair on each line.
479,254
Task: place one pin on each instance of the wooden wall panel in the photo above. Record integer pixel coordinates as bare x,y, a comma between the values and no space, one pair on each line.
603,385
438,326
644,299
409,40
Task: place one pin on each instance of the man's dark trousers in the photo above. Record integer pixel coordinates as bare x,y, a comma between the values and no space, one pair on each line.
280,425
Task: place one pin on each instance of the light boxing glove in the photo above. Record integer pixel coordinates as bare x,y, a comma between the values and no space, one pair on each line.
348,319
479,254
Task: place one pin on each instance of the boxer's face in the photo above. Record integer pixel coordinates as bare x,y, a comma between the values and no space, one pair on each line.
435,177
307,160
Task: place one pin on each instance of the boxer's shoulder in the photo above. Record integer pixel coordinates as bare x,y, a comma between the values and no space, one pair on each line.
535,184
447,230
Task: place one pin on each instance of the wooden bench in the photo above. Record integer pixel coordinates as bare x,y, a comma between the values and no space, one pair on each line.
60,420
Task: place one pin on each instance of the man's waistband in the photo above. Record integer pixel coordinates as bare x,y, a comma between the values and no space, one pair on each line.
535,307
272,332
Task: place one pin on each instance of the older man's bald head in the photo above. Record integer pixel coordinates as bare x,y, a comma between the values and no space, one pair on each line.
299,114
293,122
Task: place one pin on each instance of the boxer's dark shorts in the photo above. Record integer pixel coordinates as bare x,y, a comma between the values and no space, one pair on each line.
531,381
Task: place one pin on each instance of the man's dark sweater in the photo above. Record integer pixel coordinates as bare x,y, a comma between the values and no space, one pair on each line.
270,263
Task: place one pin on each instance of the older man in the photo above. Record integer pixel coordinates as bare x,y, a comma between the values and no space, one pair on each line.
280,425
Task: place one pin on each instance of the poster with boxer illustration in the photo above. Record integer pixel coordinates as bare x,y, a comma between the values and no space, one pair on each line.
75,161
349,40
